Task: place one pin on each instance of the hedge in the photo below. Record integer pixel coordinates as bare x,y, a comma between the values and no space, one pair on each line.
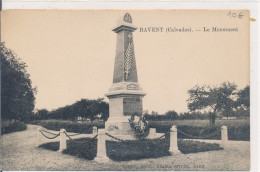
13,127
69,126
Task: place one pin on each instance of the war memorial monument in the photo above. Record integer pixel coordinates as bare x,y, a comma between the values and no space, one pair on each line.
126,94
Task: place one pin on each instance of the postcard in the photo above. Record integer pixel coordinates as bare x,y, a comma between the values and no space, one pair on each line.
125,90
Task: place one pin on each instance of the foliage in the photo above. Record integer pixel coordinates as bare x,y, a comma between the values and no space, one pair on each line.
88,148
41,114
170,115
243,100
135,150
85,108
189,146
193,115
69,126
13,127
216,98
130,150
239,133
139,125
17,93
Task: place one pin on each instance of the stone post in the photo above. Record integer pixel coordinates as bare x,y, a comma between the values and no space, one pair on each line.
39,137
63,140
101,147
174,141
95,131
152,132
224,135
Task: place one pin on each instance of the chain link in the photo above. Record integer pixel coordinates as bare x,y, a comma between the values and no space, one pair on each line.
49,137
78,141
69,136
115,138
120,140
158,137
48,132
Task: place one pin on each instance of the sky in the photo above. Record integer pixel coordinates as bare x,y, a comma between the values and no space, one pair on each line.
70,54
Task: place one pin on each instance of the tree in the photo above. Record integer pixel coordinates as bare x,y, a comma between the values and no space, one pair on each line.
243,100
17,92
85,108
42,114
219,98
171,115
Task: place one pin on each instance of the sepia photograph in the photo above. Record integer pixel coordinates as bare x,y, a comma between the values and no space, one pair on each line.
125,90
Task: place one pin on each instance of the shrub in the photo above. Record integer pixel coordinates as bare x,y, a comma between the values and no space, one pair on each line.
134,150
12,127
83,148
188,146
239,132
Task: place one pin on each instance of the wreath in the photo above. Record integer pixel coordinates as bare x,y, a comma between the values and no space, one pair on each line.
139,125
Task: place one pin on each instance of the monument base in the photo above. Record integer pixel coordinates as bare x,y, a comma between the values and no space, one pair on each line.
119,127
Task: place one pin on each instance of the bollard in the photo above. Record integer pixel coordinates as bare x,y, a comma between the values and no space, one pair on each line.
39,137
224,135
174,141
152,132
101,147
95,131
63,140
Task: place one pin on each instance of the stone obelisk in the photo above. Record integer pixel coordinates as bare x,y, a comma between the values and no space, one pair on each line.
125,95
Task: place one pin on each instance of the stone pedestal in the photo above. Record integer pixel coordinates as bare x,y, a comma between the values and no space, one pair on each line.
224,136
174,141
63,140
101,148
39,137
122,104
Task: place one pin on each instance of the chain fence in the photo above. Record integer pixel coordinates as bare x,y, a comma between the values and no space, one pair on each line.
58,134
121,140
55,135
69,136
49,132
115,138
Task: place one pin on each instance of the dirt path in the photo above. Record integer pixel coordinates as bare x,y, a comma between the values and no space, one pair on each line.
19,152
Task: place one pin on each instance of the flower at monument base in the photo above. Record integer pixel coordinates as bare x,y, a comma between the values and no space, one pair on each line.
139,125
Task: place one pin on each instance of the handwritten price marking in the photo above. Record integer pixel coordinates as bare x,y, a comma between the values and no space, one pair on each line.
235,15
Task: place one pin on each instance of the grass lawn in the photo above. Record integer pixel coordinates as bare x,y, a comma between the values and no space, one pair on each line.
130,150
